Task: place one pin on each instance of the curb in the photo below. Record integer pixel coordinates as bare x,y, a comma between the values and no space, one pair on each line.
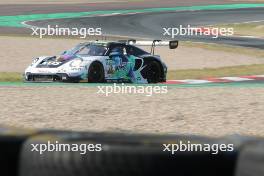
217,80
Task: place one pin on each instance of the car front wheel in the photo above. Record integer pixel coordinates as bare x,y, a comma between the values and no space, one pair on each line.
96,73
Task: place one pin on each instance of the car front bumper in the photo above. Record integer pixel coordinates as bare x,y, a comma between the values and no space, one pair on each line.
58,77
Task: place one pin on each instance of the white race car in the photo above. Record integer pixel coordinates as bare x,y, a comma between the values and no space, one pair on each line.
99,62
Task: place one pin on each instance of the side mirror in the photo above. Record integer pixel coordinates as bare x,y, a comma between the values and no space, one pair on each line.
64,52
174,44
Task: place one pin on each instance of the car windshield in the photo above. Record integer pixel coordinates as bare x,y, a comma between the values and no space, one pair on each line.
88,50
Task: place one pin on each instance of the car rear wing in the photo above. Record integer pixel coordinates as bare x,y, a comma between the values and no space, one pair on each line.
172,44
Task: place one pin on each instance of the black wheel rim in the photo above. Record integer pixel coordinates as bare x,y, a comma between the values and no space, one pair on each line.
95,73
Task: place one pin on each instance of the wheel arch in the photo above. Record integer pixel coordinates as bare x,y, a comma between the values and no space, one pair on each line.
95,61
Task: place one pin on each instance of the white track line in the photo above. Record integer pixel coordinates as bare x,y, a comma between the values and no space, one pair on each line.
237,79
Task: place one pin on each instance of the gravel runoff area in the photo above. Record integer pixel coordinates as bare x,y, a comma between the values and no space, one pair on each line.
18,52
204,111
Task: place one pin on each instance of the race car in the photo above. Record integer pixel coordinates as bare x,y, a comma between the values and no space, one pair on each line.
101,61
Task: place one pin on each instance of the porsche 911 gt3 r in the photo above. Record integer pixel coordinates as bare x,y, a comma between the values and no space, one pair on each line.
99,62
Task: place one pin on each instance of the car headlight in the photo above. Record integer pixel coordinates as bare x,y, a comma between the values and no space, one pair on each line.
76,63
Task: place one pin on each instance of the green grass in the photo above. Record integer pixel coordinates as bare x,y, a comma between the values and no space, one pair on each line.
10,77
217,72
178,74
226,48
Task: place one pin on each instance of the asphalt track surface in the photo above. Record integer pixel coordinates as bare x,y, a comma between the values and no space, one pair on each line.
147,25
150,25
24,9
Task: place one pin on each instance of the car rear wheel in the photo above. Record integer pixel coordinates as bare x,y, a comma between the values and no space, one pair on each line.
153,72
96,73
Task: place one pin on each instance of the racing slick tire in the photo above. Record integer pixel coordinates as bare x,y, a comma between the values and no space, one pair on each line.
121,155
153,72
251,160
11,141
96,73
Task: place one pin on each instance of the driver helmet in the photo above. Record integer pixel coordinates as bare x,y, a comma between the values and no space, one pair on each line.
118,50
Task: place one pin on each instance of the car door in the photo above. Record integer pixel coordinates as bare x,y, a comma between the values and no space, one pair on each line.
117,66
